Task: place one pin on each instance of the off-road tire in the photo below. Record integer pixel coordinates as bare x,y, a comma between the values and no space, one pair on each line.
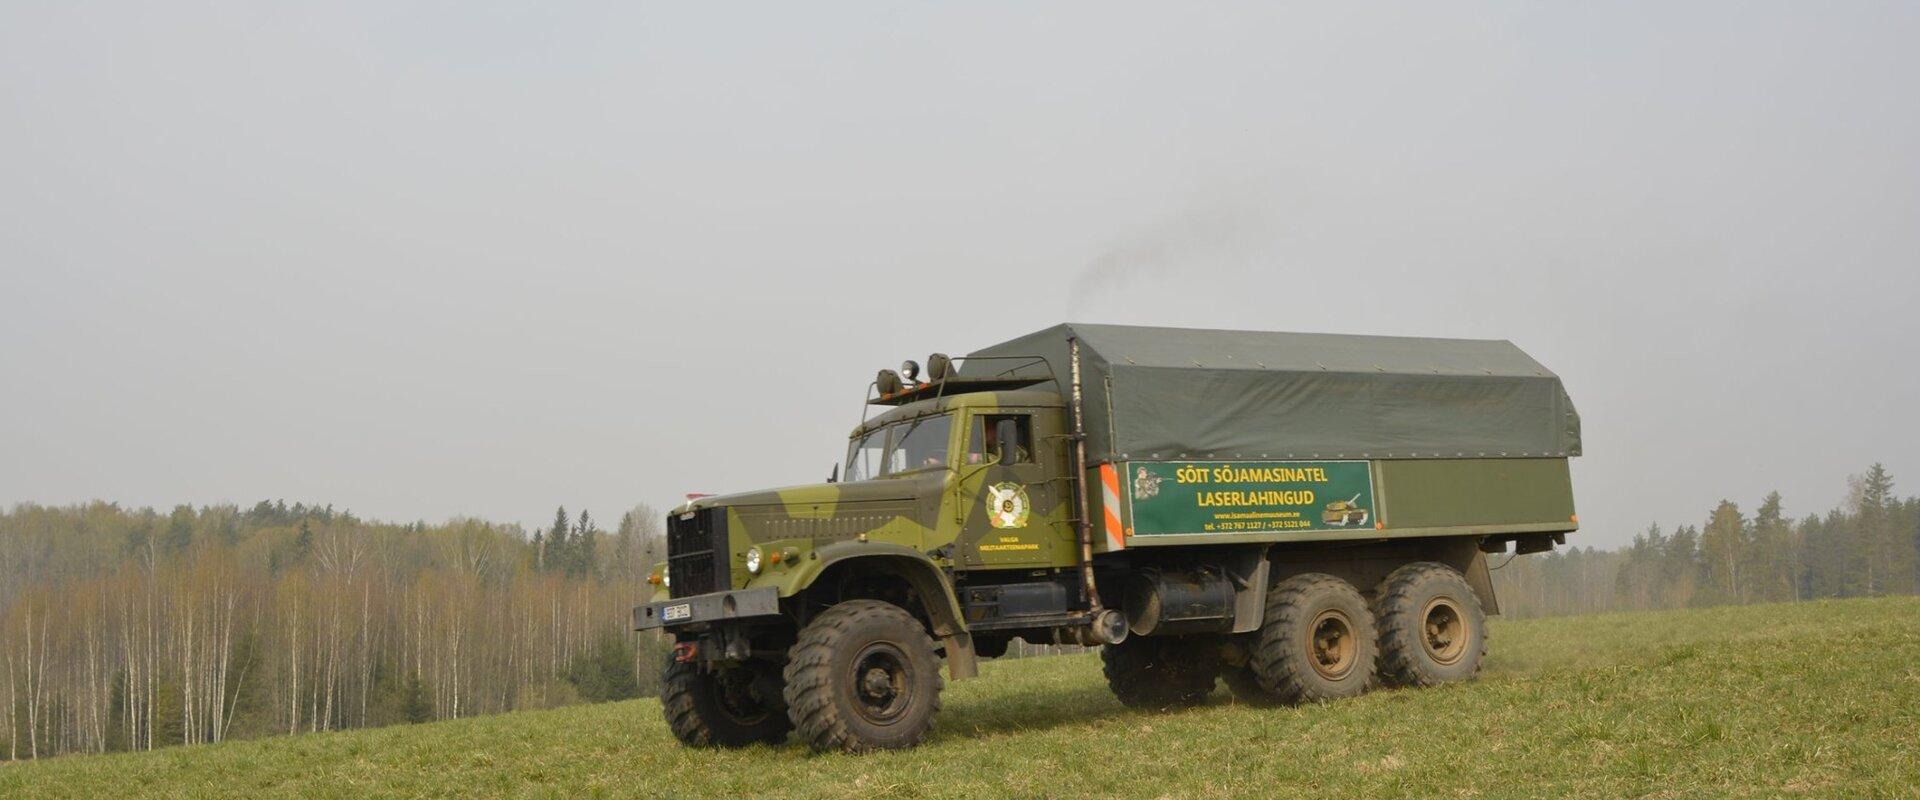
1156,673
1432,627
1316,641
701,714
1246,687
834,696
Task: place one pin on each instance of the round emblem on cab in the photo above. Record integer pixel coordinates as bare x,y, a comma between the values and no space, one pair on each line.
1007,505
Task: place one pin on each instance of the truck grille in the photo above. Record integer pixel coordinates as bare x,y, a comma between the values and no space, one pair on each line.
697,552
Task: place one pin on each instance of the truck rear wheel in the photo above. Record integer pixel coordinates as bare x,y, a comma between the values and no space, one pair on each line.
1316,641
727,707
1156,673
863,676
1246,687
1432,627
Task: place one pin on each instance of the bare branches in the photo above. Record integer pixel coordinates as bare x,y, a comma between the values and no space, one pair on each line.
128,630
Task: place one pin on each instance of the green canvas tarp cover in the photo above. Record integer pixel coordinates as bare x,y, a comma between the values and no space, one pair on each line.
1183,393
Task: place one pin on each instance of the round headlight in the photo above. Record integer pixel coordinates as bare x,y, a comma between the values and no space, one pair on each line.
665,579
753,560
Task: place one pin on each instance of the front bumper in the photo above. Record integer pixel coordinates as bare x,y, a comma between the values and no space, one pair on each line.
707,608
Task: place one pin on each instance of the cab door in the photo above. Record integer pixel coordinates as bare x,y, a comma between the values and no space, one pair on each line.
1014,510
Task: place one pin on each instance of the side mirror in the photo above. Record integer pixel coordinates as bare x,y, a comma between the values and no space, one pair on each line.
1006,433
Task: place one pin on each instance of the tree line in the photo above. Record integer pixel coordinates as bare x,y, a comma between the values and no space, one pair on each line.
1868,546
130,629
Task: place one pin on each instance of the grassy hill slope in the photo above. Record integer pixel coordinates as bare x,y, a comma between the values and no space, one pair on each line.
1821,699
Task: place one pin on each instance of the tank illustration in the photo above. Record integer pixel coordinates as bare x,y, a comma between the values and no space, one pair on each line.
1345,512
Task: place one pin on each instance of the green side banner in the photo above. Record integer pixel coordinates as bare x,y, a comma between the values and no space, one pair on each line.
1170,497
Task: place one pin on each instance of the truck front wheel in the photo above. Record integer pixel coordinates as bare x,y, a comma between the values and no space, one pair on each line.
863,676
1156,673
731,706
1432,627
1316,641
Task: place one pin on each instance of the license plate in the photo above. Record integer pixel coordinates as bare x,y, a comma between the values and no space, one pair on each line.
676,611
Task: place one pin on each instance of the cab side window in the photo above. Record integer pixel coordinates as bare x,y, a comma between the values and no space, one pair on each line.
998,435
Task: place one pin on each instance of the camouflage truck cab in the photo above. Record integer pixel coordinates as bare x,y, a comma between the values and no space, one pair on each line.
1299,515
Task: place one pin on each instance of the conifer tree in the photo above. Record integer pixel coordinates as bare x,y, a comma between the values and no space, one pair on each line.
179,530
1884,542
1771,561
1869,495
1724,542
584,542
557,544
1684,570
303,542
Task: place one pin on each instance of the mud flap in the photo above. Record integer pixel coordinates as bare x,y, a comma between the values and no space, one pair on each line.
961,660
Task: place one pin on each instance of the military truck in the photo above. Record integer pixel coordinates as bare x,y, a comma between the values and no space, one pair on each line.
1194,502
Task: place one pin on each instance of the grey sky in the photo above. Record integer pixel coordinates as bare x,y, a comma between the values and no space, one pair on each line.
431,259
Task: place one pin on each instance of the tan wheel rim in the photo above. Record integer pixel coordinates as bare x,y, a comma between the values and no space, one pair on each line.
1443,631
1332,651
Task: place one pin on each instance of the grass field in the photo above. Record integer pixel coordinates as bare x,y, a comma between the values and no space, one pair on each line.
1816,699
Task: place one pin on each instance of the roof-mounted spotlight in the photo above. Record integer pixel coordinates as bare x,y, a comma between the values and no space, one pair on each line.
910,371
939,367
888,382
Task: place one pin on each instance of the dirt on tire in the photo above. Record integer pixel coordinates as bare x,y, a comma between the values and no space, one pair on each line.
714,709
1433,629
863,676
1156,673
1316,641
1246,687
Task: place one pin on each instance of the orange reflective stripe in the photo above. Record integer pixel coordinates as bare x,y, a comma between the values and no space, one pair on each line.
1110,503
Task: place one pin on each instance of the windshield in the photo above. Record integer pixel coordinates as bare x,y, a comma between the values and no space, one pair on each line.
900,447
